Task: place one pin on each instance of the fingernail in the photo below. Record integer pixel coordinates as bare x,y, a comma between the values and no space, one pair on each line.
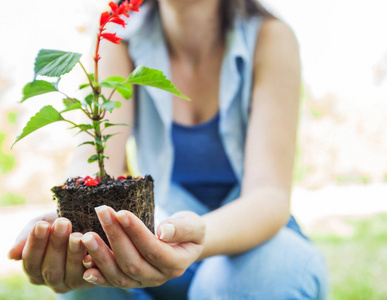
41,230
122,218
61,226
9,255
167,231
87,265
74,243
104,214
90,242
91,279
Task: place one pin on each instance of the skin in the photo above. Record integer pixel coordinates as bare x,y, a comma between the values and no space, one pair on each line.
138,258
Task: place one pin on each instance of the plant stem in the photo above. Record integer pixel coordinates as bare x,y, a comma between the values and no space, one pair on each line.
87,75
97,117
99,144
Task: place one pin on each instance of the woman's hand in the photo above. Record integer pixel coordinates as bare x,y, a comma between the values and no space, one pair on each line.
15,252
138,258
51,255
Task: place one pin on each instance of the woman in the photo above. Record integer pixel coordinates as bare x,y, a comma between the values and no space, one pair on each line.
222,165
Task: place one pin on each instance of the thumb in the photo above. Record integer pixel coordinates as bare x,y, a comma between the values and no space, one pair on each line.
182,227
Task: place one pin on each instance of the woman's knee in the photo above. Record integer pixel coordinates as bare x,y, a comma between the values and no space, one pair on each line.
286,267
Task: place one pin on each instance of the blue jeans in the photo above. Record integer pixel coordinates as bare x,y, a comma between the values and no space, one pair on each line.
286,267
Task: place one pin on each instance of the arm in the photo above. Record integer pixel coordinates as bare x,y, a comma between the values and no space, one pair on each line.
263,207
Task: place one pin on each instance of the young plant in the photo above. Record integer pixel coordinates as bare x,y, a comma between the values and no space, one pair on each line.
56,63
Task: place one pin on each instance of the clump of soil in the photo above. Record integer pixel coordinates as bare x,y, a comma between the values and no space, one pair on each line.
76,201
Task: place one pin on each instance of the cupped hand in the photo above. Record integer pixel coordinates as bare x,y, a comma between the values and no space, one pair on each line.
137,257
52,256
15,252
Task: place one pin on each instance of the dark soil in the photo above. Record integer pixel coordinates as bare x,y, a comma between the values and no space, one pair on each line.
77,201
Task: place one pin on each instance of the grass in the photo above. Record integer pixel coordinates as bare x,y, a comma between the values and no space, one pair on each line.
11,199
17,287
357,263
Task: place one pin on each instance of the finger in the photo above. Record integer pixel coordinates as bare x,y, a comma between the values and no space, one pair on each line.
127,256
88,262
106,263
54,263
182,227
94,277
76,251
150,247
34,250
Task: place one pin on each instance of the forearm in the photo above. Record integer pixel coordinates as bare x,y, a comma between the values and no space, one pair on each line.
246,222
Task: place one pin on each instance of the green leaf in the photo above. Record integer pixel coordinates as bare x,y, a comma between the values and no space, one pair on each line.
108,136
125,90
115,79
85,85
70,101
118,104
116,124
87,143
116,82
72,107
89,99
45,116
98,141
155,78
92,158
55,63
37,87
107,105
83,127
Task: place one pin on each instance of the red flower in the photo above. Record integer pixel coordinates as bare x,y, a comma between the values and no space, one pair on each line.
121,178
113,6
104,18
111,37
119,21
135,5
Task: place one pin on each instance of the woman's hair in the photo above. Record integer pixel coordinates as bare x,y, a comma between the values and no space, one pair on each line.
247,8
231,8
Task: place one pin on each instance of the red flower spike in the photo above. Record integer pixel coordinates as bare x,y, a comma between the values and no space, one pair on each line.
104,18
121,178
113,6
86,178
111,37
91,182
97,179
64,186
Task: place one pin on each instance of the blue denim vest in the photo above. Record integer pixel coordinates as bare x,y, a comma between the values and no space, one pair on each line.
153,125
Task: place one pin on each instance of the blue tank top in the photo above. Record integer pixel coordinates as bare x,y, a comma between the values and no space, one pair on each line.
201,165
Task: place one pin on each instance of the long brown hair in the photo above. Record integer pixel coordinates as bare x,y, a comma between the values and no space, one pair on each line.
231,8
